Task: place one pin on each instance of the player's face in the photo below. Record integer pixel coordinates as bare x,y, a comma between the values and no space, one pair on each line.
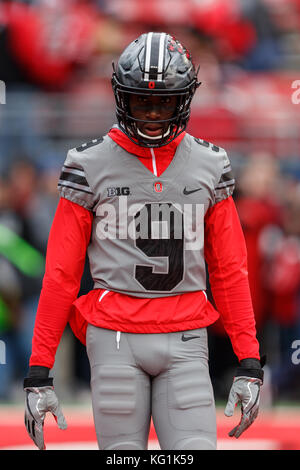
152,108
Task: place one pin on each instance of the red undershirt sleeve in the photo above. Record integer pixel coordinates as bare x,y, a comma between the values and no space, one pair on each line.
66,253
226,257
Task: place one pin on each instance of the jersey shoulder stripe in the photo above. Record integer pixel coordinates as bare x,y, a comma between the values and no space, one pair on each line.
227,177
73,183
226,184
73,177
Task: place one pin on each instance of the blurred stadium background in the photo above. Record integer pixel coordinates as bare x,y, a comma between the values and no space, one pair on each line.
55,69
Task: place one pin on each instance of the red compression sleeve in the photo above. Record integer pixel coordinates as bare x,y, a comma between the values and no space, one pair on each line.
226,257
66,253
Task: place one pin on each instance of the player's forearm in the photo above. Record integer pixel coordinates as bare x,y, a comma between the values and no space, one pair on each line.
226,256
51,319
66,253
235,306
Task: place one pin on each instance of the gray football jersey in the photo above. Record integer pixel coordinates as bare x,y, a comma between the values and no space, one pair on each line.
148,231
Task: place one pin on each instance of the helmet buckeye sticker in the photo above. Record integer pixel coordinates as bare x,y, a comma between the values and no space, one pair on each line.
158,187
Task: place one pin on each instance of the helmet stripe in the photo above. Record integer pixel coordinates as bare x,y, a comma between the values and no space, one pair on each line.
154,56
161,56
148,56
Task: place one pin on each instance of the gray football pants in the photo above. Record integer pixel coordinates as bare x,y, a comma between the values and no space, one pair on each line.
138,376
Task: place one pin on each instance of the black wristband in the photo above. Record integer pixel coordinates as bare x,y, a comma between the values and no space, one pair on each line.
41,372
38,382
253,373
251,367
250,363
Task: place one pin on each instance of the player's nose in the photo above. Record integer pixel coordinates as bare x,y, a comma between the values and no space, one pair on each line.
154,112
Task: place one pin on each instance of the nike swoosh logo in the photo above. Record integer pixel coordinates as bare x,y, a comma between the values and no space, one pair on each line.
187,338
185,191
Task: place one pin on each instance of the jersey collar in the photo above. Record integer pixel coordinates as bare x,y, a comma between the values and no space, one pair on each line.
118,136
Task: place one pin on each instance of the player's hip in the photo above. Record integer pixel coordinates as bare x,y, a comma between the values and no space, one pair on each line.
154,353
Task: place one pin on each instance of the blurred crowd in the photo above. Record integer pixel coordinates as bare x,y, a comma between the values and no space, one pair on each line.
56,62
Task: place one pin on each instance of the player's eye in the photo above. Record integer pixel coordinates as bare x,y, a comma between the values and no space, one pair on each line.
143,99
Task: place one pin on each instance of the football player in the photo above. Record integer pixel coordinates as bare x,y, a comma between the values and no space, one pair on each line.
151,205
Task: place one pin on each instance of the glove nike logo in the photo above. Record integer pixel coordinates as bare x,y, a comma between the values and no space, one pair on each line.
187,338
186,192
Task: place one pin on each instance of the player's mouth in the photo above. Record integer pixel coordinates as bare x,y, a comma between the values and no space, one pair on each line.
152,130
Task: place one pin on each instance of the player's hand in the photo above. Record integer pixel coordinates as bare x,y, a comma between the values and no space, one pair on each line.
246,391
38,401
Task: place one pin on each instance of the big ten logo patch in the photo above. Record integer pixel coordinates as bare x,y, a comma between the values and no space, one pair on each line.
118,191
